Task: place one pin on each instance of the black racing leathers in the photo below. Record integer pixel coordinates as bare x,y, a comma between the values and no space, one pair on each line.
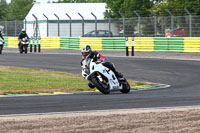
1,36
21,36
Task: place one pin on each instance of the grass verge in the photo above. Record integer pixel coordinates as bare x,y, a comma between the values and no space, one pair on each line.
15,80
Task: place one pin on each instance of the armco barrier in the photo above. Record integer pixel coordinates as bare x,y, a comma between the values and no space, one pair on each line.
64,43
158,44
69,43
74,43
107,43
95,43
192,44
13,42
142,43
5,42
50,43
119,44
175,44
113,44
163,44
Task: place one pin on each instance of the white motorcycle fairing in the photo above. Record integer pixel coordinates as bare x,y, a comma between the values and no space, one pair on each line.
24,41
100,68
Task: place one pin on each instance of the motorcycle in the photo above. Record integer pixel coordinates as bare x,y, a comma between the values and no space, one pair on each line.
23,46
102,77
1,45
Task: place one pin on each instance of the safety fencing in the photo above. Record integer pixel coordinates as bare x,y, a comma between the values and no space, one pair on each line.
154,44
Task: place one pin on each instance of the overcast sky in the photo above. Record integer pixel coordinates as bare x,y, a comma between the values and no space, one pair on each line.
41,1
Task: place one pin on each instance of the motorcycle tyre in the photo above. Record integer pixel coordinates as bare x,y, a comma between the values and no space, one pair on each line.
99,86
20,49
25,49
126,87
1,48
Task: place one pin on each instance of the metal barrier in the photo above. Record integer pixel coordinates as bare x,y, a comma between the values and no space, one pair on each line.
155,26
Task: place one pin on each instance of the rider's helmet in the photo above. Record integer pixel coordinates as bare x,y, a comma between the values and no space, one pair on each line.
23,31
86,51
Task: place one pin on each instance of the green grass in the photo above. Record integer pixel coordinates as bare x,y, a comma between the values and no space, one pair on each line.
33,81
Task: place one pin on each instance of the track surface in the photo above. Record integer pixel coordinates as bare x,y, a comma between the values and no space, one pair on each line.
182,75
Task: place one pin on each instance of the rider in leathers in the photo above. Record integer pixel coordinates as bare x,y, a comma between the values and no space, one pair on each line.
22,35
88,53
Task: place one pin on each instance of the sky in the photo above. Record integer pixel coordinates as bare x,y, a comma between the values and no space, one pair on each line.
41,1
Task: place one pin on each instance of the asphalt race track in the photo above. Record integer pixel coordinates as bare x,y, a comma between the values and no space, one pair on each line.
182,75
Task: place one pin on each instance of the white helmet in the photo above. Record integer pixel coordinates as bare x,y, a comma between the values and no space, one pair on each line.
86,51
23,31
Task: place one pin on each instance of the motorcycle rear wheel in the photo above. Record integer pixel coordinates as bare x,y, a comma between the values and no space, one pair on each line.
126,87
98,85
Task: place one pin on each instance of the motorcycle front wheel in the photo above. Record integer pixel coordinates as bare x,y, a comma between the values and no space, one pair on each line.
21,49
25,49
100,86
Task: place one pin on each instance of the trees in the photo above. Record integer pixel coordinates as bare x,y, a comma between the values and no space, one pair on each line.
128,6
159,7
18,9
177,7
3,9
143,6
79,1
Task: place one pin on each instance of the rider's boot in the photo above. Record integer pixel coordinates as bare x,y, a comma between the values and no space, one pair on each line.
119,76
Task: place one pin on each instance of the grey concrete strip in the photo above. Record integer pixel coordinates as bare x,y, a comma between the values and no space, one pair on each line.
159,55
95,112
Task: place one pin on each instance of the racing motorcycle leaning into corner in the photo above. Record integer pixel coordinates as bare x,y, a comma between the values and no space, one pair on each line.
100,76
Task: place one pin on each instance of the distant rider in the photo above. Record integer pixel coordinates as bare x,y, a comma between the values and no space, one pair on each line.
88,53
22,35
1,36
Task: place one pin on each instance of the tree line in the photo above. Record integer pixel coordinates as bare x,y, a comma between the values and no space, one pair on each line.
18,9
